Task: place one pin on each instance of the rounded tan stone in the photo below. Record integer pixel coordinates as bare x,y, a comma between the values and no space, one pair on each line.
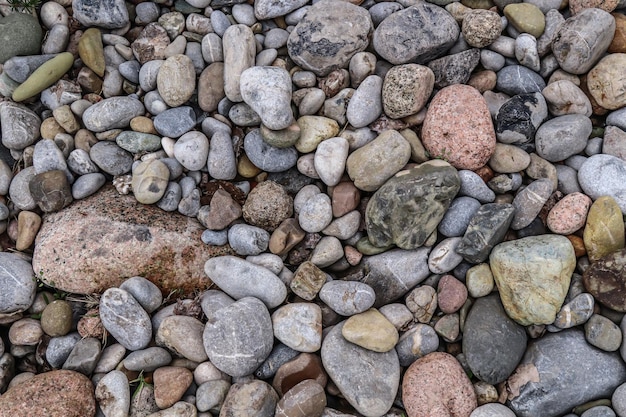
370,330
604,231
436,386
458,128
607,81
569,214
176,80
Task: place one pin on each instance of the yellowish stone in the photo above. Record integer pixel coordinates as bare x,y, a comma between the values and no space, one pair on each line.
371,330
604,231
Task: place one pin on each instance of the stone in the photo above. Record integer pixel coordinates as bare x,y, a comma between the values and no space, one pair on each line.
416,34
406,89
347,298
54,393
21,35
583,39
533,292
493,344
569,214
183,336
604,230
604,175
321,42
240,278
526,17
486,229
113,394
299,326
519,118
436,385
250,341
17,284
267,90
564,136
373,164
112,113
470,141
370,330
378,373
385,215
239,54
109,14
244,399
161,247
366,104
603,333
605,279
306,399
529,202
547,381
606,85
125,319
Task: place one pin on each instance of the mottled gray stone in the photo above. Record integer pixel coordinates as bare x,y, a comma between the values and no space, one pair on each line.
239,337
486,229
416,34
125,319
425,191
321,42
493,344
550,375
564,136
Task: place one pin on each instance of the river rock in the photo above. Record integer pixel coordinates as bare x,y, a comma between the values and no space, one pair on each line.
112,113
605,279
378,373
437,386
58,393
240,278
321,41
108,14
533,292
604,175
416,34
147,242
493,343
582,40
469,142
21,35
548,380
250,337
267,90
17,284
426,191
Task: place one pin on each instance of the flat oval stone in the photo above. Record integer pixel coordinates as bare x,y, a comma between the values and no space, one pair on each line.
378,373
250,338
240,278
125,319
321,42
582,40
416,34
347,297
533,292
267,90
112,113
605,279
604,175
470,141
488,330
147,242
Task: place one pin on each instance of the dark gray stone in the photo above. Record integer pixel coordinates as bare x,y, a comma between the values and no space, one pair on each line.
458,216
486,229
528,202
378,373
417,34
267,157
175,122
519,118
516,79
108,14
493,344
239,337
322,42
409,206
564,136
455,68
281,354
19,68
560,371
392,274
111,158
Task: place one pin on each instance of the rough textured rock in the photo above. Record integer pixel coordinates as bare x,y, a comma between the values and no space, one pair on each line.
549,380
378,373
533,276
54,394
425,191
143,241
321,42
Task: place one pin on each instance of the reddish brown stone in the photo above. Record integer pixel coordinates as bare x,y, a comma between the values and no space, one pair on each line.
304,366
51,394
98,242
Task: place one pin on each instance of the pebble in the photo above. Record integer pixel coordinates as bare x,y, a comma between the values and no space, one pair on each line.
125,319
240,278
347,298
299,326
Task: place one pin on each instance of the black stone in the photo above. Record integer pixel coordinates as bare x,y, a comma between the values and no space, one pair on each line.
486,229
